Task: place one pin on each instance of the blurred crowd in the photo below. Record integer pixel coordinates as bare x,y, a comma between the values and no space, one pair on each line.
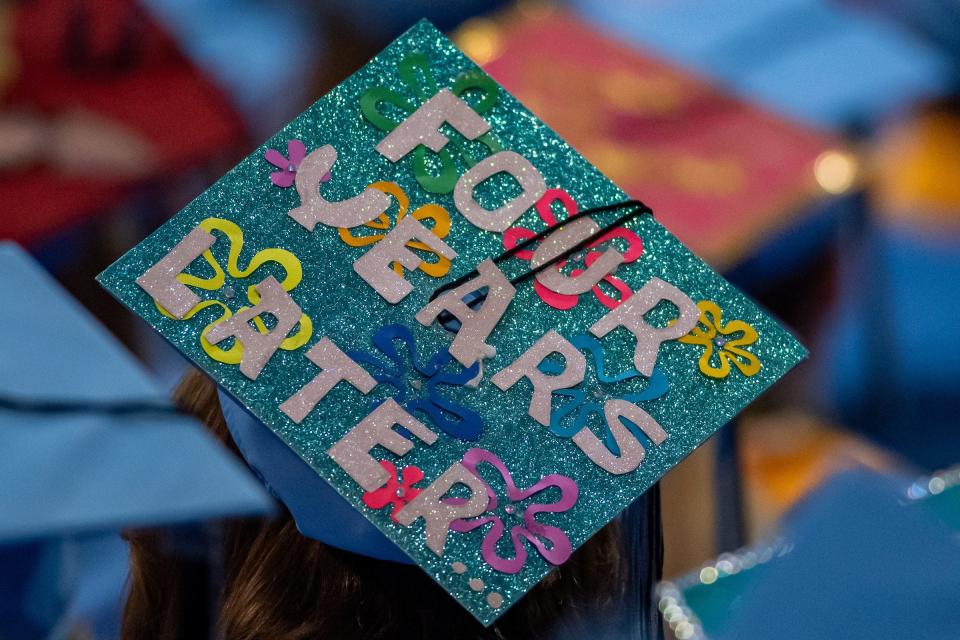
809,150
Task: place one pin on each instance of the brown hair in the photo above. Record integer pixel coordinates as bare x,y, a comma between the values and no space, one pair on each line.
279,585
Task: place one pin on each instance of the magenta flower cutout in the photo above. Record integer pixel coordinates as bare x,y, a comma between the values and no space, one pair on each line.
634,247
296,152
551,542
398,491
288,166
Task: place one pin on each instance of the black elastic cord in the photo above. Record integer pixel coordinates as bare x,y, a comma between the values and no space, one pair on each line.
640,209
58,407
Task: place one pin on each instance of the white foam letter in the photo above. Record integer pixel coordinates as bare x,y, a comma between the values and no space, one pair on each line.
335,366
423,126
544,385
630,315
314,208
374,265
569,235
531,182
258,347
438,514
631,451
160,280
352,451
476,325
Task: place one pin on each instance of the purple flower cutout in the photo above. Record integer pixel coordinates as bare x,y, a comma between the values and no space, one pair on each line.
551,542
296,152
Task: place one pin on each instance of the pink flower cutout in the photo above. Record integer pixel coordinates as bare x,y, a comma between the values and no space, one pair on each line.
634,247
296,152
557,548
398,491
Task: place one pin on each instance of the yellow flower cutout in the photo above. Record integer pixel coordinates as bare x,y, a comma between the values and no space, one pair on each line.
714,335
434,212
293,274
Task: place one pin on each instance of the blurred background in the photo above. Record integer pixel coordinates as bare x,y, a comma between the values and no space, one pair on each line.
809,150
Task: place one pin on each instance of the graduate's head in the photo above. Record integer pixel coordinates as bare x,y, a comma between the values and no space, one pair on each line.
277,583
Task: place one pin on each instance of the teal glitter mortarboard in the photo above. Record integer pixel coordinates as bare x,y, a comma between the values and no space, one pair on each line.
491,429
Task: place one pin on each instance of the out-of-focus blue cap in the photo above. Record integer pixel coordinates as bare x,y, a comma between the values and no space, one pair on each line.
882,352
80,449
867,560
814,60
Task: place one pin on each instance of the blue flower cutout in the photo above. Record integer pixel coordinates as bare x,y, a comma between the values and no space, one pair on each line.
583,401
422,394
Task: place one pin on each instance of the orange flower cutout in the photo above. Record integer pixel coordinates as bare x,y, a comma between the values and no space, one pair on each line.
434,212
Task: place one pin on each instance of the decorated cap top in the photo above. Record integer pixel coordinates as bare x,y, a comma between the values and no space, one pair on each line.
488,430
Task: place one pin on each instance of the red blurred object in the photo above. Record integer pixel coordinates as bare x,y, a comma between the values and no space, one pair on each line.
110,103
719,172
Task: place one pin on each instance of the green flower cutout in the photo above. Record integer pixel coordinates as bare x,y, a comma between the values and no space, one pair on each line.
385,109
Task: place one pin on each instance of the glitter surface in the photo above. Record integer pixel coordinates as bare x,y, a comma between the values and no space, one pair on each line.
346,310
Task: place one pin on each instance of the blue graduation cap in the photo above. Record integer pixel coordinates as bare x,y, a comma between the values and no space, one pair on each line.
868,563
865,556
88,442
933,20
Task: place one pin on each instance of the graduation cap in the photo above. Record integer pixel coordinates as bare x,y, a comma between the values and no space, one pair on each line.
772,53
78,415
864,556
453,319
89,444
83,83
664,134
